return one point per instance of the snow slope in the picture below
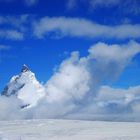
(68, 130)
(26, 87)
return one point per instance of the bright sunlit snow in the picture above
(68, 130)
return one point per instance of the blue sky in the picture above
(42, 33)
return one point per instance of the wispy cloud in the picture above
(31, 2)
(15, 21)
(19, 27)
(71, 4)
(11, 34)
(123, 6)
(14, 27)
(4, 47)
(102, 3)
(126, 6)
(77, 27)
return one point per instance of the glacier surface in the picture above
(68, 130)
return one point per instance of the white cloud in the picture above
(77, 27)
(15, 27)
(111, 104)
(10, 108)
(68, 80)
(108, 94)
(14, 21)
(76, 88)
(103, 62)
(58, 27)
(11, 34)
(112, 59)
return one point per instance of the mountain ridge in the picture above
(25, 87)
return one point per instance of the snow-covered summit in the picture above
(26, 87)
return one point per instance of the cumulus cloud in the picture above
(76, 89)
(77, 27)
(104, 61)
(118, 104)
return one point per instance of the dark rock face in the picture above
(17, 85)
(24, 68)
(5, 91)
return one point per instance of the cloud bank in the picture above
(78, 27)
(76, 89)
(28, 26)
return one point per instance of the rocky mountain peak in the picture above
(25, 87)
(25, 68)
